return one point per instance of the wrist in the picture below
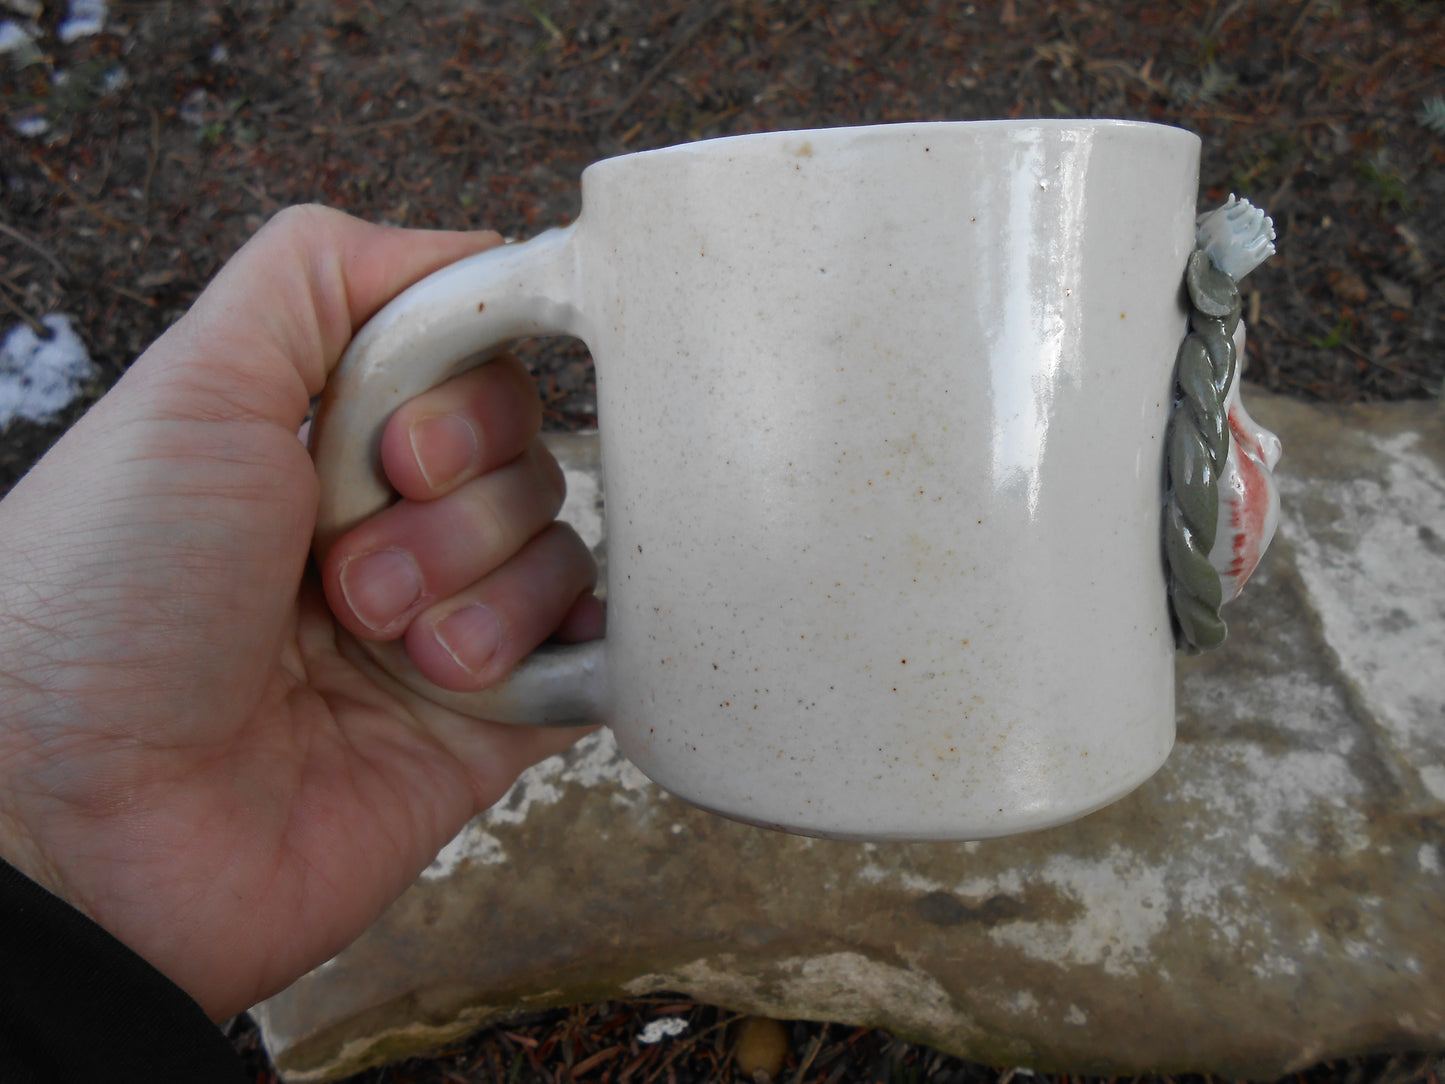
(19, 848)
(21, 843)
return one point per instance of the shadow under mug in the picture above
(882, 416)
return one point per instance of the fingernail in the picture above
(471, 636)
(444, 446)
(382, 586)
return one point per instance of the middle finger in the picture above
(396, 564)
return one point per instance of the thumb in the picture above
(262, 337)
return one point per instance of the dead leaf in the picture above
(1395, 293)
(1349, 287)
(1414, 254)
(153, 279)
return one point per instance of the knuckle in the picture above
(575, 554)
(491, 527)
(550, 474)
(301, 220)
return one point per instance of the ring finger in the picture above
(474, 638)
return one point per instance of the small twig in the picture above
(99, 186)
(683, 41)
(139, 299)
(35, 247)
(812, 1053)
(1218, 114)
(590, 58)
(547, 24)
(7, 279)
(392, 122)
(154, 157)
(75, 197)
(425, 111)
(1289, 39)
(635, 1064)
(1224, 17)
(35, 325)
(1276, 199)
(592, 1061)
(812, 15)
(908, 33)
(1390, 55)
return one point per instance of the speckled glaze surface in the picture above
(882, 418)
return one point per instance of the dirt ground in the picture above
(173, 134)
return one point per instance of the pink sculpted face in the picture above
(1248, 497)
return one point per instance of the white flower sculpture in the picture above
(1238, 236)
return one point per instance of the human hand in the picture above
(193, 750)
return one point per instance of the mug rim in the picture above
(840, 131)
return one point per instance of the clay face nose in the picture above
(1270, 448)
(1266, 445)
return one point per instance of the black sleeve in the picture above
(76, 1005)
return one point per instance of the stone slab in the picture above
(1275, 896)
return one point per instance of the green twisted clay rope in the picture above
(1197, 447)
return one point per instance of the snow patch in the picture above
(1433, 776)
(1272, 965)
(473, 845)
(873, 873)
(1280, 794)
(83, 18)
(30, 127)
(667, 1027)
(915, 883)
(14, 36)
(41, 377)
(1430, 859)
(1022, 1003)
(593, 762)
(1261, 855)
(1123, 906)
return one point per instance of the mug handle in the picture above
(450, 321)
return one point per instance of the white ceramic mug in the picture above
(882, 413)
